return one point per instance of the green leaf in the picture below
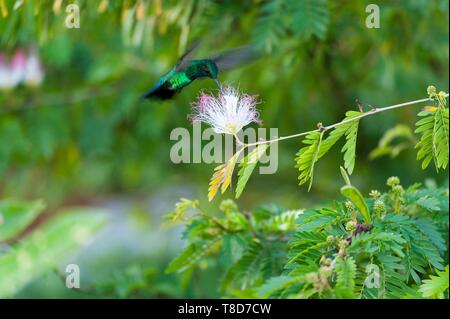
(308, 156)
(440, 138)
(345, 282)
(434, 141)
(339, 131)
(430, 230)
(247, 166)
(268, 27)
(309, 18)
(436, 285)
(16, 216)
(248, 267)
(349, 148)
(306, 247)
(193, 254)
(355, 196)
(314, 220)
(428, 202)
(274, 284)
(386, 144)
(180, 209)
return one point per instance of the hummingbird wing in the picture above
(163, 89)
(233, 58)
(183, 61)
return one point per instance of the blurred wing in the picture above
(184, 59)
(233, 58)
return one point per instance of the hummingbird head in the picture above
(212, 69)
(205, 68)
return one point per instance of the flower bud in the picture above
(350, 226)
(349, 205)
(374, 194)
(398, 189)
(431, 90)
(392, 181)
(379, 206)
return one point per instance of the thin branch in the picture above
(329, 127)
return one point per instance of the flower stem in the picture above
(329, 127)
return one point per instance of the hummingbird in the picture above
(188, 70)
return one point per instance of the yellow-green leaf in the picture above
(354, 195)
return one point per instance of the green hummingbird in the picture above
(188, 70)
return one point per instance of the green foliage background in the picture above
(83, 138)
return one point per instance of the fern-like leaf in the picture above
(306, 247)
(310, 18)
(393, 280)
(349, 128)
(436, 286)
(425, 144)
(275, 284)
(192, 254)
(222, 177)
(440, 138)
(248, 267)
(349, 148)
(269, 27)
(434, 141)
(346, 273)
(247, 166)
(318, 147)
(338, 132)
(308, 156)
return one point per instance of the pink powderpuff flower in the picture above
(34, 74)
(22, 69)
(227, 113)
(18, 65)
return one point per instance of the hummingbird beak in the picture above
(218, 84)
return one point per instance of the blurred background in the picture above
(74, 136)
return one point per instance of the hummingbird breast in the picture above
(196, 69)
(179, 80)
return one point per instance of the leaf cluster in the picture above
(386, 246)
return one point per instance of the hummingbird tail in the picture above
(160, 93)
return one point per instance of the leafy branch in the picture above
(433, 128)
(385, 251)
(433, 144)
